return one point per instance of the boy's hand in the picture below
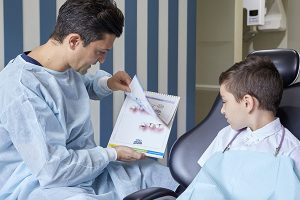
(128, 154)
(119, 81)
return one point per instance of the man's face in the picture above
(84, 57)
(234, 112)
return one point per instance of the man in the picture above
(47, 148)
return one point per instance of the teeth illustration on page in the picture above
(137, 94)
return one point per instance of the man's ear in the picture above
(249, 102)
(73, 40)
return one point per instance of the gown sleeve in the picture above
(40, 139)
(96, 84)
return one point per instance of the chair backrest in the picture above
(286, 62)
(189, 147)
(289, 109)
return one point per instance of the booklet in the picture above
(145, 121)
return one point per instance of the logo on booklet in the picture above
(137, 141)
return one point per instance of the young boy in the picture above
(254, 157)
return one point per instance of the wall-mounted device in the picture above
(275, 19)
(255, 12)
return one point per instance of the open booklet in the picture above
(145, 120)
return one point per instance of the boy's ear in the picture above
(249, 102)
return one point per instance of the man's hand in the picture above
(128, 154)
(119, 81)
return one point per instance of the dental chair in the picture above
(187, 149)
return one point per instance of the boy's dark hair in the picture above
(258, 77)
(91, 19)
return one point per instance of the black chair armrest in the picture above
(150, 194)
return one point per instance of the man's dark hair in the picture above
(91, 19)
(256, 76)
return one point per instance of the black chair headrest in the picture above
(286, 62)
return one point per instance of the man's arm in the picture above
(96, 84)
(40, 139)
(102, 83)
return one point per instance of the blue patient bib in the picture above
(244, 175)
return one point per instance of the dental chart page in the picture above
(145, 121)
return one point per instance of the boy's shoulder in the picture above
(226, 133)
(290, 140)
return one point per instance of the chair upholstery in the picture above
(286, 62)
(183, 161)
(189, 147)
(289, 109)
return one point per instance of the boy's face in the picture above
(85, 56)
(234, 112)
